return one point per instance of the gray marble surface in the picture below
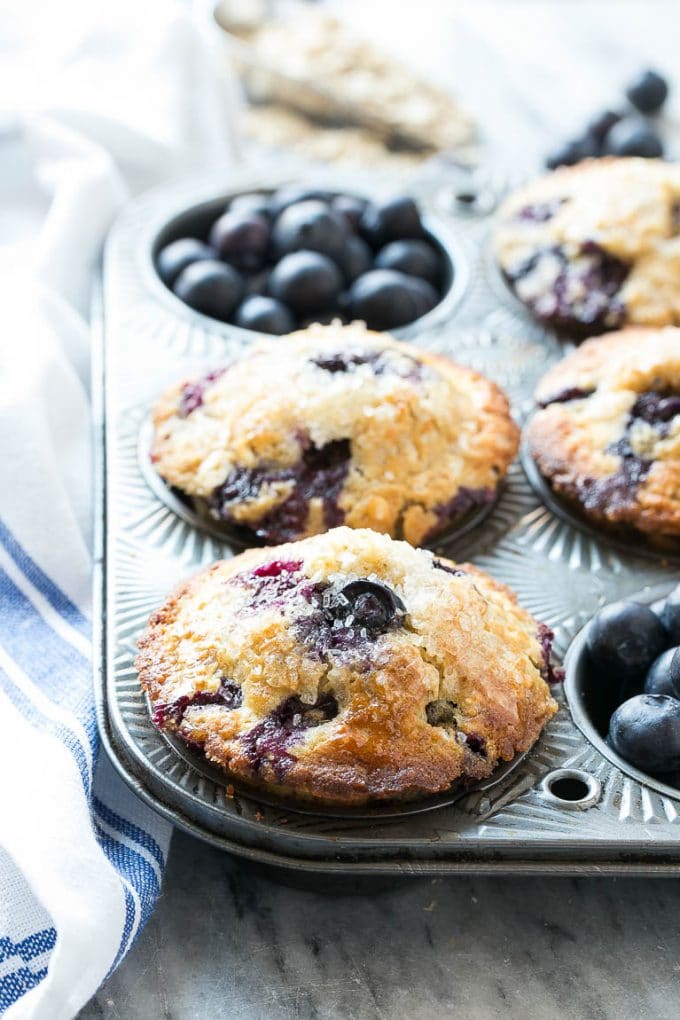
(226, 942)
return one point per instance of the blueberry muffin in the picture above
(336, 425)
(348, 667)
(607, 434)
(596, 246)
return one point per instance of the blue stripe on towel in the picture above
(42, 582)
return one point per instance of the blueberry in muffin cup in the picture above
(336, 425)
(348, 668)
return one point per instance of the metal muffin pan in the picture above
(561, 574)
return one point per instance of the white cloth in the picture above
(101, 100)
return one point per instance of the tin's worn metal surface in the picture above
(561, 574)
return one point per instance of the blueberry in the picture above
(670, 616)
(675, 670)
(284, 197)
(355, 258)
(258, 283)
(178, 255)
(241, 238)
(363, 605)
(633, 136)
(210, 287)
(385, 298)
(391, 221)
(264, 314)
(600, 126)
(573, 152)
(415, 258)
(625, 638)
(351, 208)
(253, 202)
(306, 281)
(648, 92)
(310, 226)
(659, 679)
(645, 730)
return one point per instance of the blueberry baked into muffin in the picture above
(348, 667)
(336, 425)
(607, 432)
(596, 246)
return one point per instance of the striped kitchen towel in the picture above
(111, 98)
(81, 858)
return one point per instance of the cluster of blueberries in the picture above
(635, 650)
(276, 262)
(620, 132)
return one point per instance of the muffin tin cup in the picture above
(563, 808)
(196, 511)
(632, 544)
(578, 689)
(195, 220)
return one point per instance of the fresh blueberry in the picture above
(351, 208)
(600, 126)
(310, 226)
(659, 679)
(573, 152)
(648, 92)
(284, 197)
(264, 314)
(385, 298)
(645, 730)
(633, 136)
(255, 203)
(390, 221)
(258, 283)
(363, 605)
(241, 238)
(675, 670)
(355, 259)
(624, 639)
(670, 616)
(415, 258)
(306, 281)
(210, 287)
(177, 255)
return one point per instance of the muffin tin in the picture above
(566, 807)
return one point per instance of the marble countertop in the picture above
(227, 941)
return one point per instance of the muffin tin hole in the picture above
(591, 703)
(573, 789)
(196, 514)
(195, 222)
